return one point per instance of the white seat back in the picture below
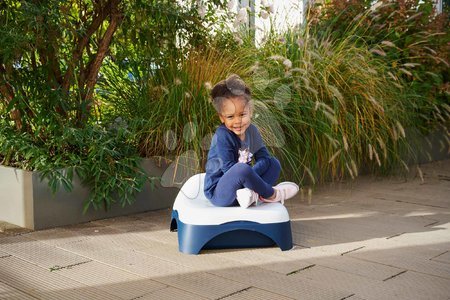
(192, 189)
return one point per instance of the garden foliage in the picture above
(51, 58)
(90, 88)
(408, 36)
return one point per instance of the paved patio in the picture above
(367, 239)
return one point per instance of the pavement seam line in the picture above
(427, 205)
(414, 203)
(139, 274)
(141, 296)
(234, 293)
(5, 256)
(307, 247)
(438, 255)
(57, 268)
(299, 270)
(27, 235)
(431, 224)
(104, 263)
(398, 234)
(346, 297)
(395, 275)
(397, 267)
(353, 250)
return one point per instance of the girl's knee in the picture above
(242, 169)
(275, 163)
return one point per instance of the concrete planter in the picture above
(27, 201)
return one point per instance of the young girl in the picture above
(229, 175)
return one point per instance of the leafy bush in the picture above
(51, 57)
(172, 106)
(331, 99)
(105, 160)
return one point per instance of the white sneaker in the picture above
(246, 197)
(284, 191)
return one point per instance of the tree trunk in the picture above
(81, 44)
(87, 76)
(7, 92)
(94, 66)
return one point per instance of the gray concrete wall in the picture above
(16, 197)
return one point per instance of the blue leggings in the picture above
(240, 176)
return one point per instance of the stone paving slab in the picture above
(39, 253)
(275, 261)
(124, 240)
(360, 228)
(368, 202)
(443, 257)
(93, 230)
(255, 293)
(43, 284)
(411, 198)
(112, 280)
(4, 254)
(324, 251)
(205, 284)
(338, 280)
(330, 211)
(139, 263)
(404, 285)
(354, 297)
(319, 232)
(115, 221)
(56, 236)
(10, 293)
(171, 293)
(287, 286)
(158, 219)
(414, 285)
(208, 260)
(137, 226)
(408, 258)
(87, 247)
(358, 267)
(366, 239)
(163, 236)
(433, 242)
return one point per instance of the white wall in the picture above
(286, 14)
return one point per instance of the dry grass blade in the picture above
(334, 156)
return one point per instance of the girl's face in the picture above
(236, 115)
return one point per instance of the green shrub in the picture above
(337, 107)
(412, 40)
(51, 57)
(106, 161)
(172, 106)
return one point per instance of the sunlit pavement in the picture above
(373, 238)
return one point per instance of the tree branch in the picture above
(82, 42)
(7, 91)
(95, 64)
